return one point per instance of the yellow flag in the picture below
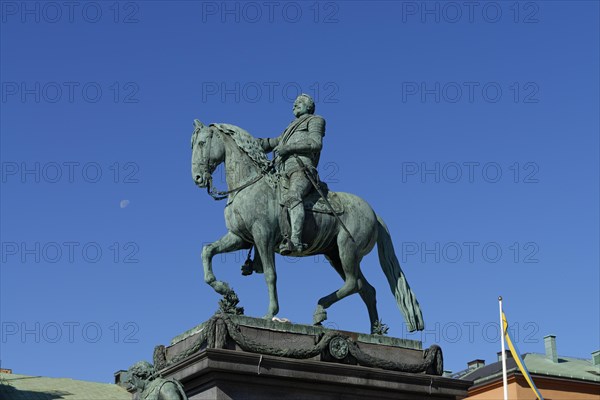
(518, 359)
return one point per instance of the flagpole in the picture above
(504, 380)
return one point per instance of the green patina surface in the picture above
(566, 367)
(539, 364)
(24, 387)
(273, 193)
(305, 330)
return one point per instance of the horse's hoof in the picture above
(221, 287)
(319, 316)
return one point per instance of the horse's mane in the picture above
(247, 143)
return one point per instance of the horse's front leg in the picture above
(266, 249)
(229, 242)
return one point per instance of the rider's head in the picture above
(304, 104)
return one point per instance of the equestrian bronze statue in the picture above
(280, 206)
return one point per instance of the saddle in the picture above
(315, 203)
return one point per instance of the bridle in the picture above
(210, 189)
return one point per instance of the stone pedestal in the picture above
(236, 357)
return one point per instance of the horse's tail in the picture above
(406, 299)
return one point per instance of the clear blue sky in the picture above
(473, 130)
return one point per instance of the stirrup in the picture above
(299, 247)
(248, 267)
(286, 248)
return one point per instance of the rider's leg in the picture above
(297, 222)
(293, 200)
(284, 224)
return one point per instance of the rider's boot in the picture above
(285, 247)
(297, 222)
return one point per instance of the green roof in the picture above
(566, 367)
(24, 387)
(539, 364)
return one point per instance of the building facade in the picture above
(556, 377)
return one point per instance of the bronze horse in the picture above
(252, 219)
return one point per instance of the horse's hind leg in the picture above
(350, 261)
(229, 242)
(368, 294)
(365, 289)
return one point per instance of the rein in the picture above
(220, 195)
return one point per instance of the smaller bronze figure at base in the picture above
(142, 376)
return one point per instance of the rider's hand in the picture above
(283, 150)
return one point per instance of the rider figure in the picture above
(297, 148)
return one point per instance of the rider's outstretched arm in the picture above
(268, 144)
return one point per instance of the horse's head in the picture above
(208, 152)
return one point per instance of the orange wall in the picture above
(494, 391)
(551, 389)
